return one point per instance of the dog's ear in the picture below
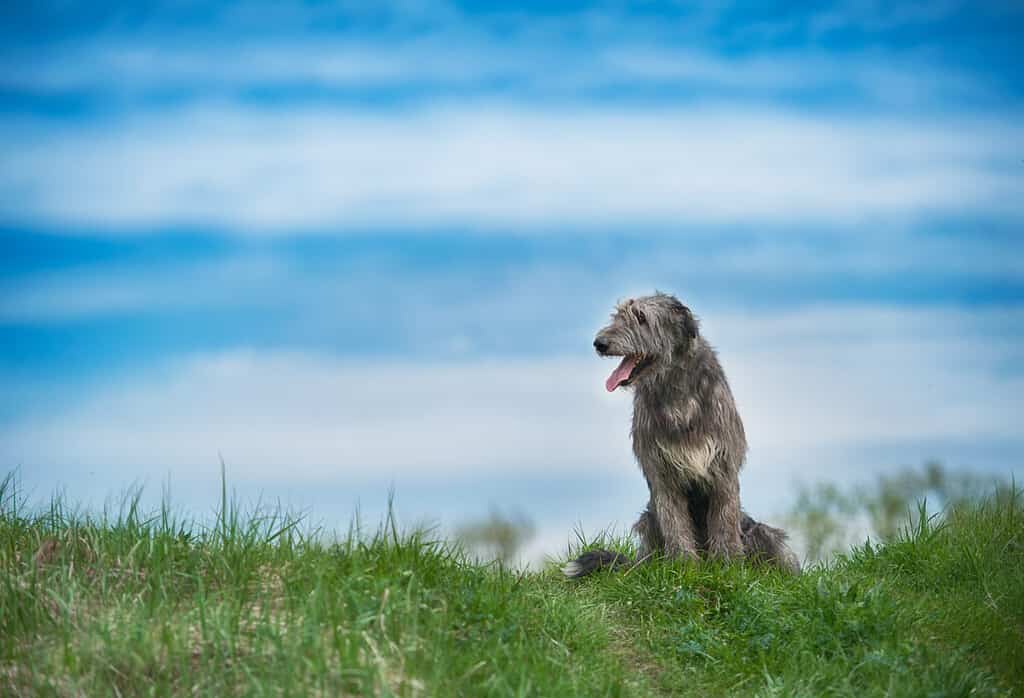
(691, 327)
(681, 314)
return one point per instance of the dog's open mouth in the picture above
(626, 371)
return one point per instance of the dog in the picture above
(688, 439)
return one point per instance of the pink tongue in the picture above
(621, 374)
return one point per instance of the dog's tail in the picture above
(593, 560)
(767, 544)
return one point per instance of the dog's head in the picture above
(648, 333)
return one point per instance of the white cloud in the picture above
(814, 387)
(321, 419)
(271, 171)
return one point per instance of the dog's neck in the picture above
(673, 379)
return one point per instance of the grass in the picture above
(130, 604)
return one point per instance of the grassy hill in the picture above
(139, 605)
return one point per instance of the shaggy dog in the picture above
(688, 439)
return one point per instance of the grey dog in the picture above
(688, 439)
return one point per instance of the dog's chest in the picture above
(666, 446)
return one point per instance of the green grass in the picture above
(133, 605)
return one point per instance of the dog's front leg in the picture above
(676, 522)
(723, 524)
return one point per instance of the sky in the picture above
(358, 248)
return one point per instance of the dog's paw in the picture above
(724, 550)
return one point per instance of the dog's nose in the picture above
(600, 345)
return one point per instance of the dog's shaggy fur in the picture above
(687, 437)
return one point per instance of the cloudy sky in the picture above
(354, 246)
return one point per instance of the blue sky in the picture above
(347, 246)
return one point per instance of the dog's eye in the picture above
(640, 317)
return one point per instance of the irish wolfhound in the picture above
(687, 437)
